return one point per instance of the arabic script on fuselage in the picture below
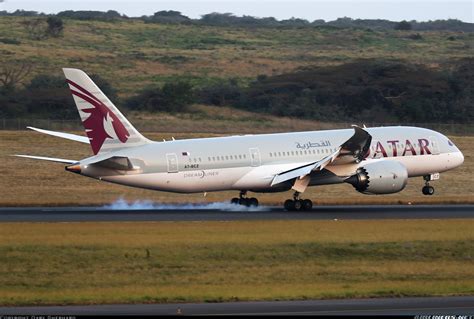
(309, 145)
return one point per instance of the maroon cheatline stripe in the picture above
(80, 88)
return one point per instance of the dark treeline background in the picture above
(370, 90)
(364, 90)
(228, 19)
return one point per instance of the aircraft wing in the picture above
(303, 170)
(68, 136)
(353, 150)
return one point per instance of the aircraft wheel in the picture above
(289, 205)
(427, 190)
(243, 202)
(307, 204)
(298, 204)
(431, 190)
(234, 201)
(252, 202)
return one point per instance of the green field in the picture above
(131, 54)
(89, 263)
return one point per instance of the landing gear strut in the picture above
(427, 189)
(297, 204)
(244, 201)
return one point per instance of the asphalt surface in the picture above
(386, 306)
(227, 212)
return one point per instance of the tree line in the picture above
(364, 90)
(229, 19)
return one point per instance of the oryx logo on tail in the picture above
(101, 122)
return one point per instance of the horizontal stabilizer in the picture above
(51, 159)
(68, 136)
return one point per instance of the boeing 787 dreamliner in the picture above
(375, 160)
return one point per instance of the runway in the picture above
(385, 306)
(231, 213)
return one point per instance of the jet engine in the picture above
(382, 177)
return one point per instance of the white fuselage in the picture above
(250, 162)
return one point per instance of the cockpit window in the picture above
(450, 143)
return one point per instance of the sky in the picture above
(395, 10)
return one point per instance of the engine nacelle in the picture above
(382, 177)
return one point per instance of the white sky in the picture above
(396, 10)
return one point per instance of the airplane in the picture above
(376, 160)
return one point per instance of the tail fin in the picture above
(106, 128)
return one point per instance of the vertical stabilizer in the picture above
(106, 128)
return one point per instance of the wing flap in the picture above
(68, 136)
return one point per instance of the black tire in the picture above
(307, 205)
(234, 201)
(298, 204)
(244, 202)
(253, 202)
(430, 190)
(426, 190)
(289, 205)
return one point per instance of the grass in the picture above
(85, 263)
(132, 54)
(36, 183)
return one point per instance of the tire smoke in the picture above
(122, 204)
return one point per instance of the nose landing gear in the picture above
(427, 189)
(244, 201)
(297, 204)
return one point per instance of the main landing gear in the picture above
(297, 204)
(427, 189)
(244, 201)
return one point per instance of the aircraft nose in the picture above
(460, 157)
(457, 159)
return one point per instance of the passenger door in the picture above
(172, 161)
(254, 157)
(434, 145)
